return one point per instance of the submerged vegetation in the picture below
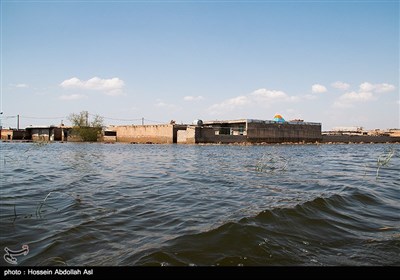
(383, 160)
(40, 205)
(271, 162)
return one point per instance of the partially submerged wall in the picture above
(359, 139)
(228, 139)
(158, 134)
(283, 132)
(40, 134)
(196, 134)
(257, 132)
(6, 134)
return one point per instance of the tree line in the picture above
(86, 126)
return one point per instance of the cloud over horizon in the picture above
(367, 92)
(73, 97)
(260, 97)
(112, 87)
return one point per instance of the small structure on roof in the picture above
(279, 118)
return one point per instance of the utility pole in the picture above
(142, 121)
(17, 122)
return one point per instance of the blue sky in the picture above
(334, 62)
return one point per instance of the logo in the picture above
(9, 256)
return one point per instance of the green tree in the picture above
(82, 126)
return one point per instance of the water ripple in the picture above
(96, 204)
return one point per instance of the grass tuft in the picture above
(384, 160)
(270, 163)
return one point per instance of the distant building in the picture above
(268, 131)
(354, 129)
(13, 134)
(6, 134)
(231, 131)
(48, 133)
(394, 132)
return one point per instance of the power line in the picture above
(127, 120)
(42, 118)
(143, 120)
(153, 121)
(115, 119)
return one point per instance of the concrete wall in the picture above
(283, 132)
(204, 134)
(47, 133)
(109, 139)
(21, 134)
(38, 134)
(57, 134)
(178, 128)
(258, 131)
(196, 134)
(158, 134)
(269, 132)
(227, 139)
(181, 137)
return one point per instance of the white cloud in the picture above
(366, 87)
(238, 101)
(21, 86)
(230, 104)
(269, 94)
(357, 96)
(310, 97)
(386, 88)
(193, 98)
(379, 88)
(111, 86)
(161, 104)
(367, 92)
(260, 97)
(265, 95)
(115, 92)
(348, 99)
(317, 88)
(72, 83)
(340, 85)
(73, 97)
(339, 104)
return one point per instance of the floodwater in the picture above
(122, 204)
